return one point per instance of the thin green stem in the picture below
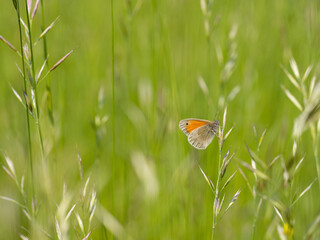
(45, 56)
(27, 107)
(113, 93)
(217, 191)
(255, 217)
(316, 156)
(48, 82)
(113, 111)
(34, 87)
(212, 236)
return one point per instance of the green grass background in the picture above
(162, 48)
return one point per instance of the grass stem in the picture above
(113, 112)
(48, 82)
(113, 87)
(316, 156)
(217, 191)
(34, 85)
(255, 217)
(27, 107)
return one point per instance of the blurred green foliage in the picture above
(160, 51)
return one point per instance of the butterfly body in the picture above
(200, 132)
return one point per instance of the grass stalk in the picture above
(113, 111)
(316, 156)
(48, 82)
(27, 107)
(113, 87)
(255, 217)
(217, 193)
(34, 84)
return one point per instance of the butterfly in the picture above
(200, 132)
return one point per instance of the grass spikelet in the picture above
(60, 61)
(11, 171)
(70, 212)
(35, 9)
(17, 95)
(228, 181)
(84, 192)
(41, 70)
(234, 92)
(255, 157)
(208, 180)
(227, 134)
(234, 198)
(261, 139)
(12, 200)
(304, 191)
(255, 171)
(58, 230)
(292, 98)
(306, 73)
(225, 163)
(87, 237)
(48, 28)
(292, 79)
(80, 165)
(8, 43)
(274, 161)
(98, 153)
(278, 213)
(80, 223)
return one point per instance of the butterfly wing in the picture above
(191, 124)
(201, 137)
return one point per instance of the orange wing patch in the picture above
(191, 125)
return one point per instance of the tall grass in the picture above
(17, 4)
(147, 65)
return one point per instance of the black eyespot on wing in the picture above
(187, 123)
